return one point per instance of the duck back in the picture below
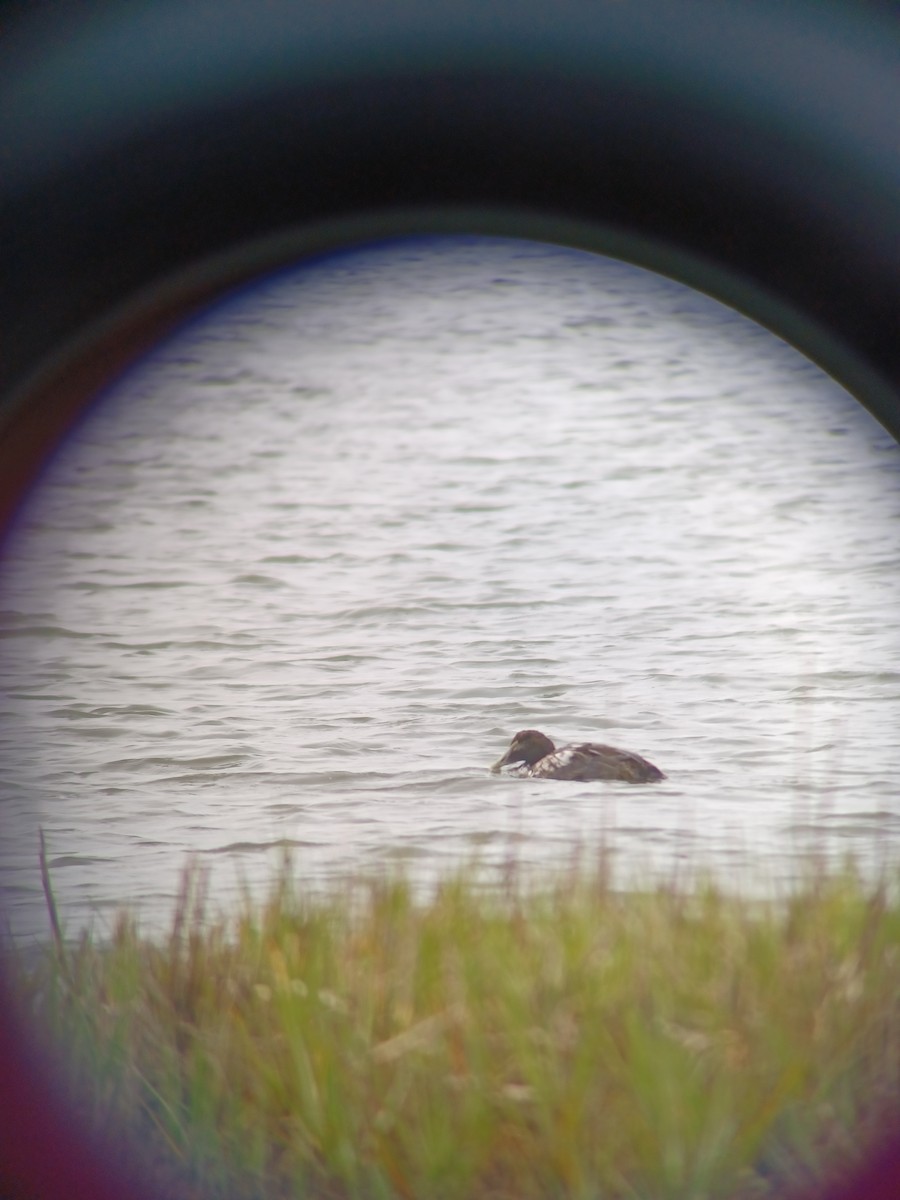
(592, 761)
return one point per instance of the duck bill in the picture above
(507, 758)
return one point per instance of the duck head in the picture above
(528, 746)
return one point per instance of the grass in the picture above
(552, 1039)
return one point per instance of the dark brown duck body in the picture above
(532, 753)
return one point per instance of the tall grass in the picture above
(546, 1039)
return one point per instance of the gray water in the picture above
(299, 579)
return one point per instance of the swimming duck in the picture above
(534, 754)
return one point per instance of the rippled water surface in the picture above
(307, 570)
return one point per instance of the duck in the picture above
(532, 753)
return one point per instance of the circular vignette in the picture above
(154, 156)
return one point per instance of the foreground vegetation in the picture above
(538, 1040)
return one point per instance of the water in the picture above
(301, 577)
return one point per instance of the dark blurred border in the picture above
(155, 154)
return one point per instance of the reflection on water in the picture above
(301, 578)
